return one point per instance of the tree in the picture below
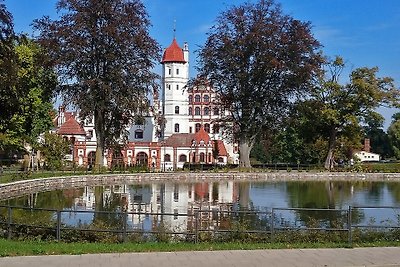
(104, 55)
(341, 108)
(257, 59)
(7, 72)
(394, 134)
(26, 88)
(380, 142)
(53, 149)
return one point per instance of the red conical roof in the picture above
(71, 126)
(173, 53)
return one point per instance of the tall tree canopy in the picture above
(104, 55)
(26, 88)
(7, 66)
(340, 108)
(257, 59)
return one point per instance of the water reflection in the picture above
(145, 204)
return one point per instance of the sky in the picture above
(366, 33)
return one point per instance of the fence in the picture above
(274, 225)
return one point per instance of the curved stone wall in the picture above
(25, 187)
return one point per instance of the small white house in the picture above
(367, 156)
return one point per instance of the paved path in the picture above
(382, 257)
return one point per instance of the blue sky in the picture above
(363, 32)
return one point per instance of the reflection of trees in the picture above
(106, 206)
(319, 195)
(394, 189)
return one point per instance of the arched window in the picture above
(190, 99)
(177, 127)
(177, 87)
(202, 157)
(197, 111)
(190, 111)
(198, 126)
(139, 134)
(176, 109)
(206, 98)
(215, 128)
(216, 111)
(220, 159)
(197, 98)
(206, 111)
(167, 157)
(209, 157)
(207, 127)
(91, 158)
(142, 159)
(182, 158)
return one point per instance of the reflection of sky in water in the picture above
(263, 196)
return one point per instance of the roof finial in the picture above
(174, 27)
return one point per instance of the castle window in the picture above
(177, 127)
(202, 157)
(168, 86)
(177, 71)
(207, 127)
(190, 111)
(197, 111)
(206, 111)
(215, 128)
(167, 158)
(197, 98)
(176, 109)
(182, 158)
(169, 71)
(216, 111)
(139, 134)
(198, 126)
(190, 99)
(177, 87)
(190, 129)
(206, 98)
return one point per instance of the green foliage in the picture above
(30, 93)
(53, 149)
(394, 136)
(105, 56)
(246, 59)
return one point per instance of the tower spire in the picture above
(174, 28)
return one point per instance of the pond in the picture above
(145, 203)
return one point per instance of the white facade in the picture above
(367, 156)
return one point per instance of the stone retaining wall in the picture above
(26, 187)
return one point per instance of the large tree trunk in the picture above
(100, 137)
(244, 150)
(329, 161)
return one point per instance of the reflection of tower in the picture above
(176, 202)
(175, 75)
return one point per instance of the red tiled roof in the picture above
(221, 149)
(173, 53)
(71, 126)
(180, 140)
(202, 135)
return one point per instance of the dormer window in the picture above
(139, 134)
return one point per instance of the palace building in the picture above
(181, 127)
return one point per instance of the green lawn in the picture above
(25, 248)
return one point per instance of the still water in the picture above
(184, 198)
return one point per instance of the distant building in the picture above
(180, 128)
(365, 154)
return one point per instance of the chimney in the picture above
(367, 145)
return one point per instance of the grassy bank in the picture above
(26, 248)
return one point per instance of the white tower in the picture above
(175, 75)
